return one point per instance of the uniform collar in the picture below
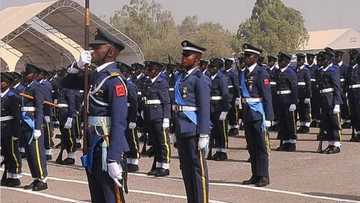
(340, 63)
(4, 93)
(327, 67)
(355, 66)
(204, 71)
(272, 67)
(252, 67)
(139, 76)
(214, 76)
(301, 67)
(190, 71)
(284, 69)
(228, 70)
(103, 66)
(15, 86)
(156, 77)
(30, 83)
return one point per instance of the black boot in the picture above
(132, 168)
(13, 182)
(251, 181)
(68, 161)
(262, 181)
(39, 186)
(161, 172)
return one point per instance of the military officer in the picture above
(10, 132)
(330, 101)
(344, 107)
(157, 116)
(304, 93)
(192, 123)
(353, 89)
(133, 155)
(219, 107)
(67, 112)
(232, 76)
(287, 91)
(273, 71)
(32, 111)
(48, 127)
(314, 101)
(257, 114)
(106, 142)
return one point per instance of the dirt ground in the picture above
(302, 176)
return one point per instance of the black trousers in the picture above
(304, 112)
(68, 138)
(194, 169)
(287, 125)
(10, 151)
(315, 102)
(35, 154)
(233, 116)
(160, 141)
(48, 134)
(354, 105)
(219, 135)
(330, 125)
(133, 142)
(258, 148)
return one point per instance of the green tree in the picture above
(273, 27)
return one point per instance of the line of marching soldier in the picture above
(31, 104)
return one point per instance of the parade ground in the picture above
(302, 176)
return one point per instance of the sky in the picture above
(318, 14)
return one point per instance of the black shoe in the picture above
(216, 156)
(152, 172)
(31, 185)
(150, 152)
(48, 157)
(210, 157)
(222, 156)
(262, 181)
(13, 182)
(78, 145)
(325, 151)
(132, 168)
(291, 147)
(234, 132)
(314, 124)
(23, 155)
(346, 125)
(161, 172)
(282, 147)
(68, 161)
(300, 130)
(333, 150)
(306, 129)
(251, 181)
(39, 185)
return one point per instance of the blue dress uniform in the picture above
(304, 94)
(287, 91)
(67, 111)
(273, 71)
(32, 111)
(79, 98)
(10, 134)
(353, 89)
(330, 99)
(219, 106)
(315, 93)
(192, 120)
(133, 155)
(344, 107)
(232, 76)
(48, 127)
(257, 109)
(170, 77)
(157, 110)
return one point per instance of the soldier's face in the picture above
(300, 61)
(190, 59)
(271, 63)
(338, 59)
(101, 53)
(310, 60)
(250, 59)
(4, 86)
(283, 63)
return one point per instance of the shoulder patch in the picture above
(120, 90)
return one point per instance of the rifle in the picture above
(45, 102)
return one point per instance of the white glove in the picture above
(47, 119)
(85, 58)
(292, 107)
(132, 125)
(172, 138)
(68, 123)
(223, 116)
(203, 141)
(267, 124)
(36, 134)
(336, 109)
(307, 101)
(115, 172)
(166, 123)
